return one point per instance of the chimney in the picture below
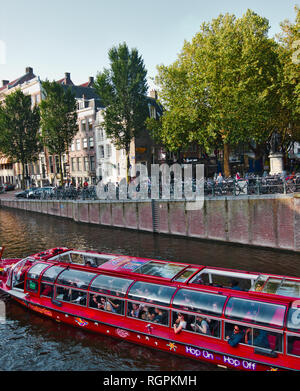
(68, 78)
(91, 80)
(29, 70)
(153, 94)
(4, 82)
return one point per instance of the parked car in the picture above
(25, 193)
(41, 192)
(9, 186)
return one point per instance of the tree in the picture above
(19, 130)
(123, 89)
(58, 119)
(220, 92)
(288, 118)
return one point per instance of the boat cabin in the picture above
(160, 294)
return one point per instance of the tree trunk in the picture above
(23, 176)
(128, 162)
(61, 170)
(227, 171)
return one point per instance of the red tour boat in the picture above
(232, 318)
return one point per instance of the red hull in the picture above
(211, 349)
(152, 341)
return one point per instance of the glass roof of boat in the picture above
(148, 267)
(277, 285)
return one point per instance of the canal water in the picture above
(31, 342)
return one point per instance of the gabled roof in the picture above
(87, 93)
(20, 80)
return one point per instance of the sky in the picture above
(58, 36)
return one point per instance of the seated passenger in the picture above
(201, 325)
(135, 310)
(158, 316)
(47, 290)
(260, 338)
(236, 337)
(235, 285)
(111, 306)
(179, 324)
(81, 299)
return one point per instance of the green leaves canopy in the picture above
(19, 128)
(58, 117)
(221, 90)
(123, 89)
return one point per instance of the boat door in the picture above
(16, 277)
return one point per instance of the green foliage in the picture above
(123, 89)
(288, 119)
(222, 88)
(58, 119)
(19, 128)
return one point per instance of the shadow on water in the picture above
(37, 343)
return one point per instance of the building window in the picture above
(101, 151)
(85, 143)
(101, 134)
(86, 163)
(92, 163)
(57, 163)
(73, 163)
(83, 125)
(91, 142)
(78, 144)
(78, 164)
(73, 146)
(90, 124)
(108, 150)
(51, 165)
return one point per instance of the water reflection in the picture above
(37, 343)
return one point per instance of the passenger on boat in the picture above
(235, 285)
(259, 287)
(47, 290)
(158, 315)
(111, 306)
(260, 338)
(179, 324)
(201, 325)
(236, 337)
(136, 308)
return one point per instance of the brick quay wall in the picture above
(268, 221)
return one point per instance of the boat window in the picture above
(77, 258)
(35, 271)
(199, 324)
(184, 276)
(148, 313)
(32, 285)
(111, 285)
(51, 273)
(71, 295)
(64, 258)
(46, 290)
(151, 293)
(160, 269)
(293, 321)
(255, 312)
(256, 337)
(186, 299)
(75, 278)
(293, 345)
(17, 273)
(230, 281)
(108, 304)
